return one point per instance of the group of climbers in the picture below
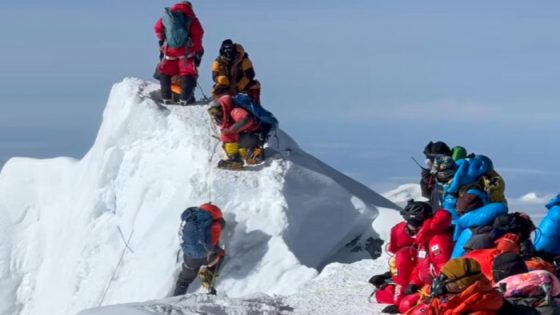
(236, 106)
(421, 245)
(459, 253)
(463, 252)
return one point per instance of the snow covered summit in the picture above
(77, 234)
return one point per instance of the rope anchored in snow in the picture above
(211, 158)
(126, 246)
(125, 242)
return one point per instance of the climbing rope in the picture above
(206, 98)
(126, 246)
(214, 134)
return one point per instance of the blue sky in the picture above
(361, 84)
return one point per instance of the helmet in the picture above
(458, 153)
(444, 168)
(434, 149)
(416, 212)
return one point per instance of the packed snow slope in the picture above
(66, 223)
(340, 289)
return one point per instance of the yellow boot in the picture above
(234, 161)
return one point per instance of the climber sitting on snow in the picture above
(180, 40)
(547, 238)
(200, 232)
(460, 288)
(244, 129)
(473, 213)
(476, 171)
(526, 292)
(422, 245)
(233, 73)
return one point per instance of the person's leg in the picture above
(188, 83)
(167, 69)
(165, 81)
(189, 272)
(209, 273)
(234, 160)
(189, 75)
(255, 95)
(254, 92)
(251, 148)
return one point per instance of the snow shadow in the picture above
(253, 245)
(337, 223)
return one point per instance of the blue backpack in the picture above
(176, 28)
(260, 113)
(196, 225)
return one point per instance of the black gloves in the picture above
(197, 60)
(391, 309)
(411, 288)
(379, 280)
(161, 42)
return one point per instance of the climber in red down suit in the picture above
(180, 56)
(421, 245)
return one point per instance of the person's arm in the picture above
(248, 68)
(241, 124)
(216, 232)
(440, 247)
(222, 83)
(159, 29)
(196, 33)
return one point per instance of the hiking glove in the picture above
(198, 57)
(391, 309)
(379, 280)
(197, 60)
(411, 289)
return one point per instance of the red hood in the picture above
(437, 224)
(185, 8)
(226, 102)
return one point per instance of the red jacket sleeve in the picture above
(196, 32)
(216, 232)
(415, 276)
(159, 29)
(392, 248)
(440, 248)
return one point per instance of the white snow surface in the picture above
(65, 223)
(340, 289)
(404, 193)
